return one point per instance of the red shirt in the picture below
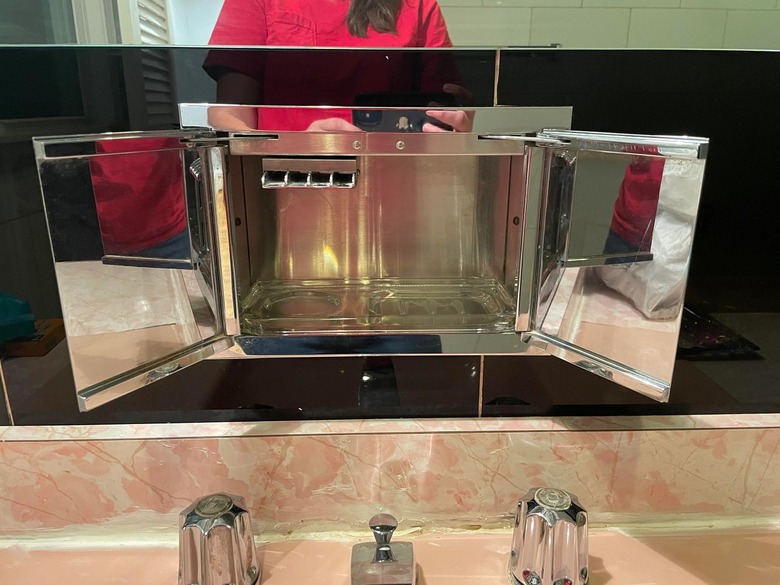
(139, 196)
(637, 202)
(322, 23)
(301, 77)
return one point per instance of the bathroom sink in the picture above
(711, 557)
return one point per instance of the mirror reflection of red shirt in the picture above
(637, 202)
(138, 193)
(326, 77)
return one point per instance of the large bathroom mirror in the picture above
(725, 357)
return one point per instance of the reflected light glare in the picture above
(143, 306)
(329, 258)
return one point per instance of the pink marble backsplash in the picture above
(436, 479)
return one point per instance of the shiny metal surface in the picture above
(420, 243)
(130, 317)
(206, 117)
(222, 265)
(383, 526)
(84, 145)
(317, 173)
(677, 146)
(549, 540)
(616, 311)
(575, 244)
(324, 144)
(216, 544)
(110, 389)
(392, 305)
(383, 562)
(637, 379)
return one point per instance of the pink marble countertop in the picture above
(711, 557)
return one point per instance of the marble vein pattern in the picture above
(100, 298)
(442, 479)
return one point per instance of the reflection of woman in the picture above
(654, 213)
(327, 78)
(139, 198)
(635, 208)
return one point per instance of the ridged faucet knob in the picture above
(216, 543)
(550, 540)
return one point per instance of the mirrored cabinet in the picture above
(517, 239)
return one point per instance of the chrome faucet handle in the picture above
(383, 526)
(550, 540)
(383, 562)
(216, 544)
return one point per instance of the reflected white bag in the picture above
(657, 288)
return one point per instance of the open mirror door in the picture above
(133, 221)
(614, 243)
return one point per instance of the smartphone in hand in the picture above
(406, 114)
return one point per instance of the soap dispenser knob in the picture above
(216, 543)
(383, 526)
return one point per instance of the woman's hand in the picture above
(235, 88)
(332, 125)
(458, 120)
(233, 118)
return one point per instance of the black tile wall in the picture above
(730, 98)
(272, 389)
(4, 418)
(545, 385)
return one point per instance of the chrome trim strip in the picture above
(650, 386)
(667, 146)
(223, 241)
(113, 388)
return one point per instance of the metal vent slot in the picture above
(344, 180)
(298, 179)
(309, 172)
(273, 179)
(318, 179)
